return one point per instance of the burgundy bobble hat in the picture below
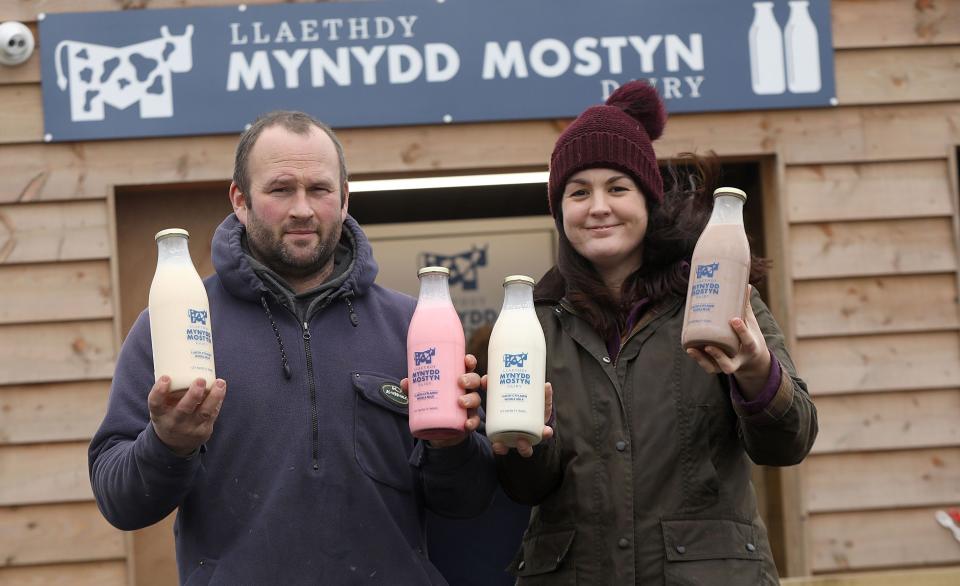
(617, 135)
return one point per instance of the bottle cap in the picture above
(426, 270)
(171, 232)
(730, 191)
(518, 279)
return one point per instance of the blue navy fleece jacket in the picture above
(311, 479)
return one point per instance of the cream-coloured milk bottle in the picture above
(719, 271)
(180, 327)
(516, 368)
(435, 354)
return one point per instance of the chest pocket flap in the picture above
(709, 539)
(381, 431)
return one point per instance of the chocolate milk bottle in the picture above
(719, 271)
(180, 327)
(435, 354)
(517, 359)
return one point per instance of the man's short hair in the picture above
(296, 122)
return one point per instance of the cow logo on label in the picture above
(463, 266)
(707, 271)
(425, 357)
(197, 316)
(100, 76)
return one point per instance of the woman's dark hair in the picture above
(673, 228)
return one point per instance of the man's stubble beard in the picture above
(277, 254)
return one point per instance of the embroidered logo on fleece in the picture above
(393, 393)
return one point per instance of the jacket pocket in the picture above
(712, 551)
(545, 555)
(382, 439)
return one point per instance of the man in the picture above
(305, 472)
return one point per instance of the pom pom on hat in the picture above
(641, 101)
(616, 135)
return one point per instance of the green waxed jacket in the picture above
(647, 480)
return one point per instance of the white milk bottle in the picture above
(180, 327)
(516, 368)
(719, 271)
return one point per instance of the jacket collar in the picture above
(241, 280)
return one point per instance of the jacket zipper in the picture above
(313, 398)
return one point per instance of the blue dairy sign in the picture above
(380, 63)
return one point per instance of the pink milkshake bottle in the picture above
(435, 353)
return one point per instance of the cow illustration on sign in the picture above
(463, 266)
(122, 76)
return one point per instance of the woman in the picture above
(647, 477)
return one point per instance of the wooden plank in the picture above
(876, 305)
(898, 75)
(917, 577)
(882, 247)
(52, 292)
(880, 539)
(868, 191)
(27, 10)
(838, 135)
(44, 534)
(52, 412)
(23, 120)
(44, 232)
(48, 473)
(888, 421)
(897, 362)
(70, 351)
(153, 554)
(895, 23)
(862, 481)
(84, 574)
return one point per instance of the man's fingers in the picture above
(405, 385)
(500, 448)
(210, 409)
(469, 400)
(473, 422)
(156, 399)
(470, 362)
(483, 382)
(469, 381)
(547, 433)
(193, 398)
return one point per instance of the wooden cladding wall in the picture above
(868, 239)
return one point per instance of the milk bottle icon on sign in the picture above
(803, 50)
(771, 74)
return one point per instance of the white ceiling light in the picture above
(448, 182)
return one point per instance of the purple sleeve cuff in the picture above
(765, 397)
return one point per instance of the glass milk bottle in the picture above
(766, 51)
(180, 327)
(719, 272)
(435, 354)
(516, 368)
(803, 50)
